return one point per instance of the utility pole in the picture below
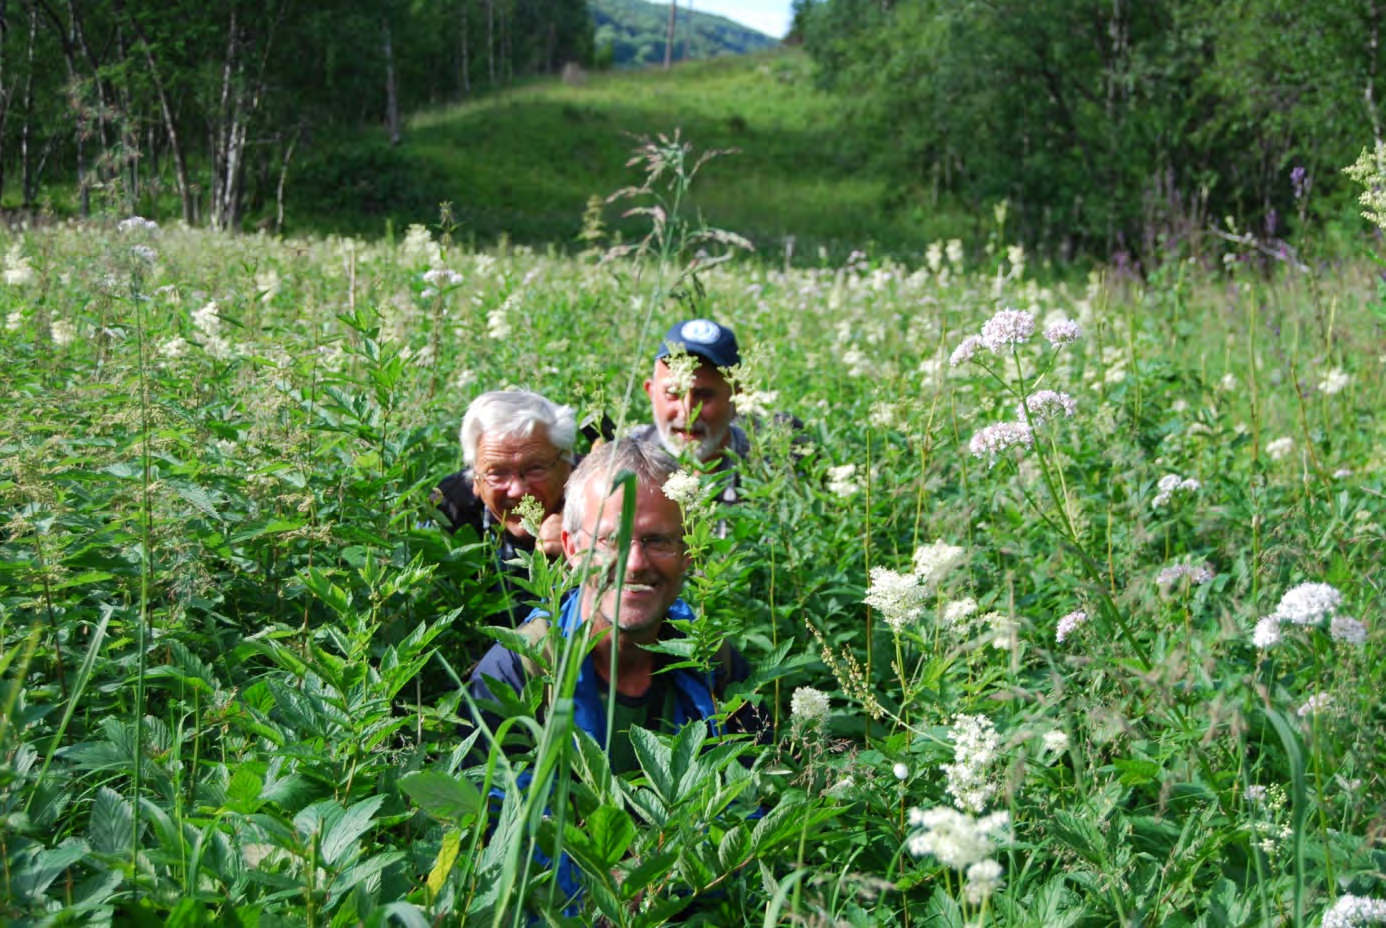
(669, 39)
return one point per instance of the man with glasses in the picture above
(515, 444)
(622, 617)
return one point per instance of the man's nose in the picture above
(638, 559)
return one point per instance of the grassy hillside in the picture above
(525, 163)
(634, 33)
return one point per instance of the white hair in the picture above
(516, 414)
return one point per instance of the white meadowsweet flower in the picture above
(1279, 448)
(957, 839)
(18, 270)
(901, 771)
(933, 257)
(684, 488)
(1055, 741)
(954, 251)
(207, 320)
(14, 321)
(841, 482)
(62, 332)
(419, 244)
(1002, 630)
(933, 561)
(983, 879)
(268, 285)
(1172, 485)
(442, 277)
(808, 708)
(144, 253)
(899, 598)
(498, 324)
(1335, 381)
(175, 347)
(756, 402)
(1315, 704)
(884, 415)
(956, 614)
(975, 744)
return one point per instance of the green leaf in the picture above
(341, 838)
(654, 757)
(611, 830)
(112, 822)
(454, 800)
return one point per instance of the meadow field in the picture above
(1064, 601)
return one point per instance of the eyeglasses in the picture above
(529, 474)
(656, 547)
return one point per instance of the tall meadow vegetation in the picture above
(1063, 603)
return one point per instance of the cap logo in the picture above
(700, 331)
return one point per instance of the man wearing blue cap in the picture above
(691, 397)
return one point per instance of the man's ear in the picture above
(570, 548)
(649, 389)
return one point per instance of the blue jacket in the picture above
(693, 699)
(693, 689)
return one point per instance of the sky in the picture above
(768, 16)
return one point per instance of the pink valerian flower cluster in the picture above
(1011, 327)
(993, 440)
(1064, 332)
(1068, 624)
(965, 351)
(1007, 328)
(1042, 405)
(1309, 604)
(1177, 574)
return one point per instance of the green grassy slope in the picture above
(524, 163)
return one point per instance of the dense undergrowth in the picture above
(1059, 672)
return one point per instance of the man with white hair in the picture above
(515, 444)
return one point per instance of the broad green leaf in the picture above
(341, 838)
(449, 799)
(112, 822)
(654, 757)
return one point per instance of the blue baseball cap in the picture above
(706, 339)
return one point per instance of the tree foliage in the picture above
(212, 100)
(1106, 125)
(631, 33)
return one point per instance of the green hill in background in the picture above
(524, 163)
(633, 33)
